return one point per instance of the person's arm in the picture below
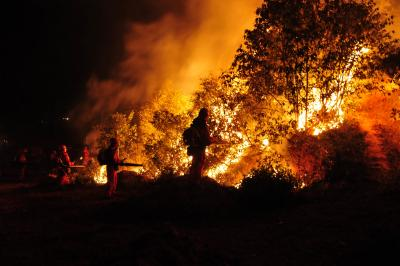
(117, 161)
(68, 160)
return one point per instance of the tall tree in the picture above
(312, 50)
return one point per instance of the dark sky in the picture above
(50, 48)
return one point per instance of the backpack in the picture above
(102, 157)
(190, 136)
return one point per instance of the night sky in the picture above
(50, 48)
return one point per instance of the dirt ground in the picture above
(188, 223)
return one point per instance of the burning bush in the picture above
(311, 54)
(164, 149)
(334, 155)
(374, 113)
(246, 127)
(120, 125)
(346, 158)
(307, 156)
(390, 143)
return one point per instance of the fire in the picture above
(265, 143)
(160, 147)
(234, 140)
(156, 141)
(101, 176)
(332, 105)
(161, 131)
(234, 156)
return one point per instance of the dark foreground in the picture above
(180, 222)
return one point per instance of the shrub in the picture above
(389, 138)
(268, 186)
(336, 155)
(347, 158)
(307, 155)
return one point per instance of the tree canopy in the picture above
(312, 50)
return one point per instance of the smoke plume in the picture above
(392, 7)
(175, 51)
(178, 49)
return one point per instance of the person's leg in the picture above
(198, 162)
(110, 181)
(202, 160)
(115, 182)
(194, 168)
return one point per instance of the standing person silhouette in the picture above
(202, 139)
(112, 162)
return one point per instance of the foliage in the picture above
(164, 148)
(347, 158)
(268, 185)
(390, 144)
(297, 46)
(223, 107)
(307, 156)
(338, 154)
(374, 115)
(299, 54)
(121, 126)
(161, 123)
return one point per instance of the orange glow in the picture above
(332, 105)
(101, 176)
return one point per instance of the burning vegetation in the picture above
(307, 93)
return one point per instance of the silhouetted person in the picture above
(64, 162)
(202, 139)
(112, 162)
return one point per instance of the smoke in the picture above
(176, 51)
(392, 7)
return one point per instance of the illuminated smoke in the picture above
(392, 7)
(175, 51)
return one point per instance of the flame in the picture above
(265, 143)
(332, 105)
(226, 112)
(234, 156)
(224, 119)
(101, 176)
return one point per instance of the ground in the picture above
(183, 222)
